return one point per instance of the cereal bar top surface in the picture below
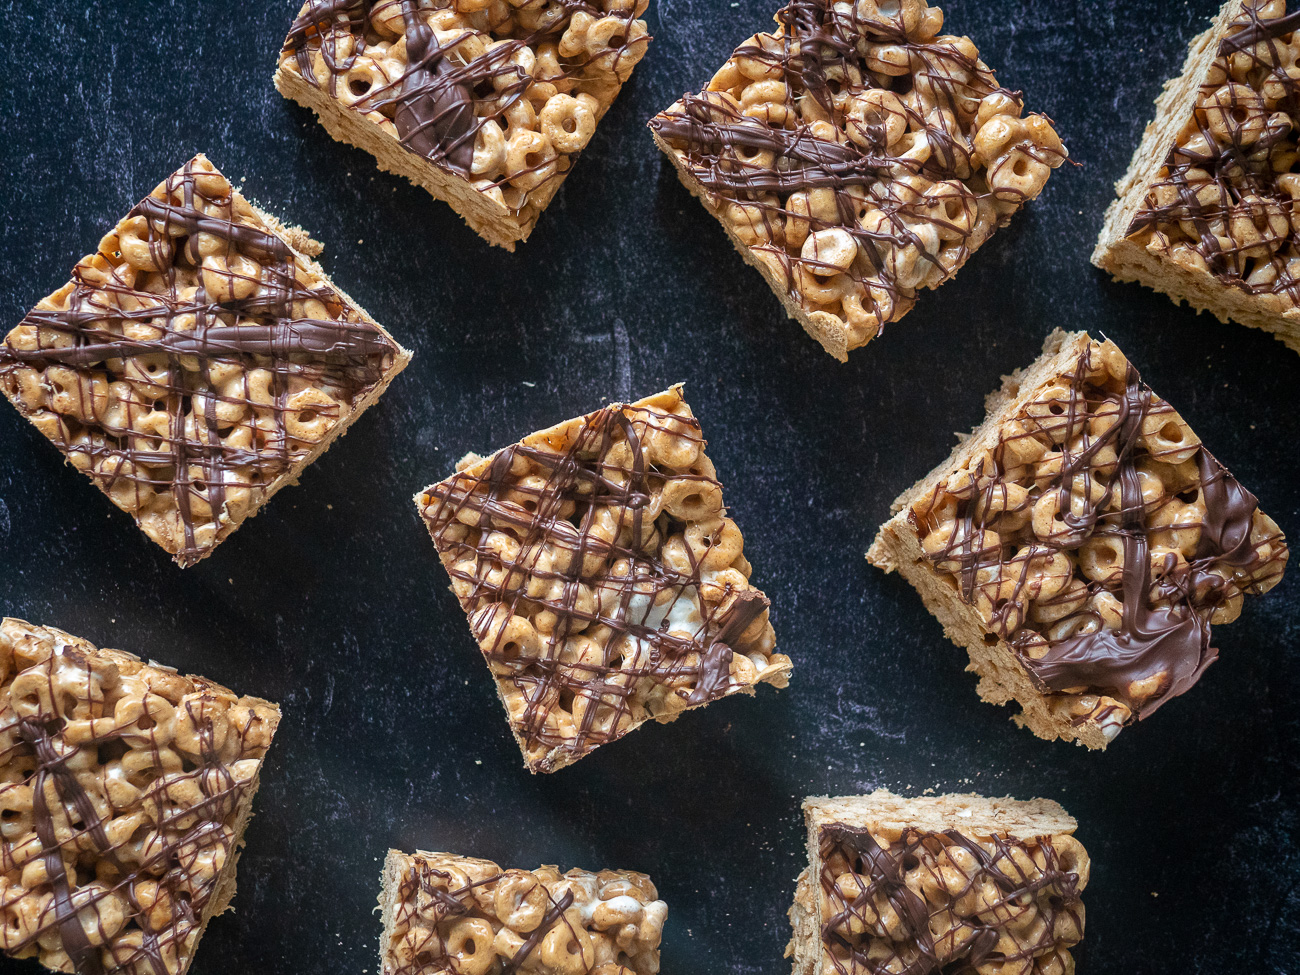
(193, 361)
(122, 791)
(464, 916)
(1100, 539)
(602, 577)
(1224, 202)
(504, 94)
(860, 154)
(914, 900)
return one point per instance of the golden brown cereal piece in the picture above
(197, 363)
(452, 915)
(855, 156)
(940, 883)
(485, 104)
(602, 577)
(124, 792)
(1080, 544)
(1207, 210)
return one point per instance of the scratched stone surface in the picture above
(332, 600)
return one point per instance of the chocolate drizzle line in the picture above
(434, 114)
(554, 912)
(821, 53)
(440, 102)
(1224, 201)
(886, 926)
(1161, 645)
(433, 879)
(579, 526)
(83, 866)
(159, 337)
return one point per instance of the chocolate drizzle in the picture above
(437, 97)
(554, 913)
(882, 113)
(719, 134)
(330, 341)
(1170, 539)
(435, 111)
(197, 313)
(597, 603)
(1255, 29)
(130, 826)
(51, 767)
(1225, 200)
(1229, 516)
(907, 908)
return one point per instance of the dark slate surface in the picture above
(333, 602)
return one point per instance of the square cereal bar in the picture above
(603, 580)
(485, 104)
(1080, 544)
(197, 363)
(452, 915)
(1207, 211)
(955, 883)
(855, 156)
(124, 792)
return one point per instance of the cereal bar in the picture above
(124, 792)
(1207, 211)
(955, 883)
(484, 103)
(855, 156)
(603, 580)
(197, 362)
(1081, 543)
(452, 915)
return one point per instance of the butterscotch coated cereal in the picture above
(197, 362)
(1207, 211)
(603, 579)
(857, 155)
(956, 883)
(1081, 544)
(485, 103)
(454, 915)
(124, 791)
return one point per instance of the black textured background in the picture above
(333, 602)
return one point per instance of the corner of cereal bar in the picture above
(897, 884)
(485, 106)
(856, 156)
(1206, 212)
(126, 791)
(602, 577)
(1080, 544)
(197, 363)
